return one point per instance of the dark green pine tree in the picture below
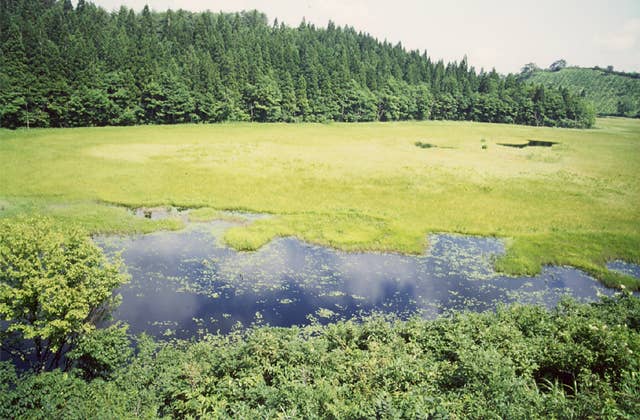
(61, 67)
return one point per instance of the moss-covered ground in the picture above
(350, 186)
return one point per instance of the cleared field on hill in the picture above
(604, 89)
(351, 186)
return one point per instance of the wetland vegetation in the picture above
(576, 360)
(401, 267)
(570, 204)
(353, 187)
(187, 283)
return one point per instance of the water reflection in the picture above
(625, 268)
(187, 282)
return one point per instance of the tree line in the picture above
(66, 66)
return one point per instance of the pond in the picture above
(187, 282)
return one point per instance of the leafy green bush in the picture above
(575, 361)
(54, 286)
(100, 352)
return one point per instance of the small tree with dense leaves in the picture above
(55, 285)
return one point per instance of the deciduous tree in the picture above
(55, 285)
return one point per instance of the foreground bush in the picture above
(55, 285)
(576, 361)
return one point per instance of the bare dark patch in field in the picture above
(530, 143)
(424, 145)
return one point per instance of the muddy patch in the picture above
(530, 143)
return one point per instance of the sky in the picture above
(505, 34)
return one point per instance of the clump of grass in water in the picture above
(204, 214)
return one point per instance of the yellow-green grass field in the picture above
(350, 186)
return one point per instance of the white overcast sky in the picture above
(504, 34)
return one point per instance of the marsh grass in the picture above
(204, 214)
(350, 186)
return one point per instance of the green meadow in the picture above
(350, 186)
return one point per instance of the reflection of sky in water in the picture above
(187, 281)
(625, 268)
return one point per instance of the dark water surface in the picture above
(625, 268)
(187, 282)
(530, 143)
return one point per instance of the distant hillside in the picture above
(613, 93)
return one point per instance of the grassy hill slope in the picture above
(606, 89)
